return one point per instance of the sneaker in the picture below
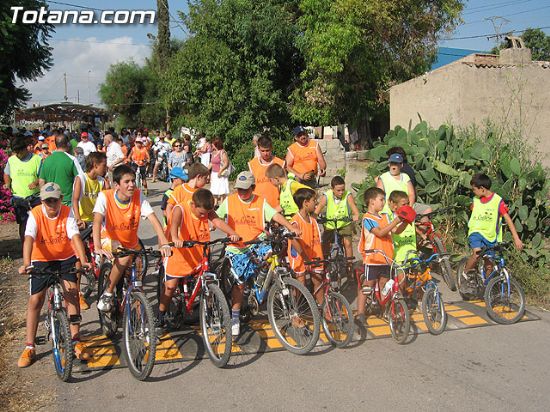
(236, 329)
(105, 303)
(27, 358)
(83, 304)
(81, 353)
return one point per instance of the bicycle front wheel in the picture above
(294, 316)
(445, 264)
(337, 319)
(62, 346)
(433, 310)
(215, 320)
(505, 300)
(140, 340)
(399, 318)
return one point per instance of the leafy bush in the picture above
(6, 208)
(445, 161)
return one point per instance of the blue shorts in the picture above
(477, 241)
(242, 267)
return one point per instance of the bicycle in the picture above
(390, 301)
(436, 245)
(336, 314)
(131, 309)
(504, 297)
(291, 309)
(57, 323)
(215, 316)
(88, 282)
(419, 281)
(339, 262)
(162, 173)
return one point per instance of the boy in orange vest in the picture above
(140, 157)
(119, 210)
(376, 231)
(258, 167)
(51, 239)
(308, 246)
(189, 222)
(246, 213)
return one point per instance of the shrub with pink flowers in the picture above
(6, 209)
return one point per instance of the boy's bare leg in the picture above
(237, 294)
(70, 294)
(317, 280)
(33, 314)
(119, 266)
(472, 260)
(170, 287)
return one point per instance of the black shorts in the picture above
(374, 272)
(40, 282)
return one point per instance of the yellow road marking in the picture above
(380, 330)
(450, 308)
(273, 343)
(461, 313)
(374, 321)
(168, 349)
(103, 357)
(473, 320)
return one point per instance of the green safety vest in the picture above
(485, 219)
(287, 201)
(22, 174)
(391, 185)
(404, 243)
(337, 211)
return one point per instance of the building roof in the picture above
(60, 112)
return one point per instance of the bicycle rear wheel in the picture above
(62, 346)
(399, 318)
(215, 320)
(293, 315)
(433, 311)
(107, 320)
(140, 340)
(337, 319)
(445, 264)
(505, 301)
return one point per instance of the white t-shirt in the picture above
(162, 148)
(88, 147)
(101, 205)
(32, 228)
(114, 153)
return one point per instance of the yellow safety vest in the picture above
(485, 219)
(337, 211)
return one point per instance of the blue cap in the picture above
(178, 173)
(298, 130)
(395, 158)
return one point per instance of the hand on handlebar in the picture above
(166, 250)
(105, 253)
(296, 230)
(234, 238)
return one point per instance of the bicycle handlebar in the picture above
(271, 238)
(499, 247)
(122, 252)
(191, 243)
(436, 212)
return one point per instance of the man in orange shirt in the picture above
(258, 167)
(51, 239)
(305, 158)
(120, 210)
(140, 158)
(246, 213)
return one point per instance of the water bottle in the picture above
(262, 274)
(387, 287)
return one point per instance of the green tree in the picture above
(236, 70)
(26, 54)
(355, 50)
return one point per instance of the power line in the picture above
(491, 35)
(487, 7)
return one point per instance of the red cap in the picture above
(84, 134)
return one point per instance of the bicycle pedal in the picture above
(40, 340)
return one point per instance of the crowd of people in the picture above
(57, 197)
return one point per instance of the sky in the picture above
(85, 52)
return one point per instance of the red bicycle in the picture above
(389, 301)
(214, 314)
(434, 244)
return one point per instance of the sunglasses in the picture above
(177, 145)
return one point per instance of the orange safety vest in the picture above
(181, 195)
(310, 241)
(246, 218)
(263, 186)
(51, 242)
(122, 224)
(139, 156)
(370, 241)
(305, 157)
(186, 261)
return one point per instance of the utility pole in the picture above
(89, 95)
(78, 96)
(498, 22)
(65, 79)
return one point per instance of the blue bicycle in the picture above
(420, 284)
(503, 295)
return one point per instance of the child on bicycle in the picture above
(339, 204)
(177, 178)
(485, 224)
(404, 235)
(246, 213)
(51, 240)
(287, 187)
(308, 246)
(189, 222)
(140, 158)
(119, 210)
(376, 231)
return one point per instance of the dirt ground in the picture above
(20, 389)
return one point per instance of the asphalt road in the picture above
(501, 368)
